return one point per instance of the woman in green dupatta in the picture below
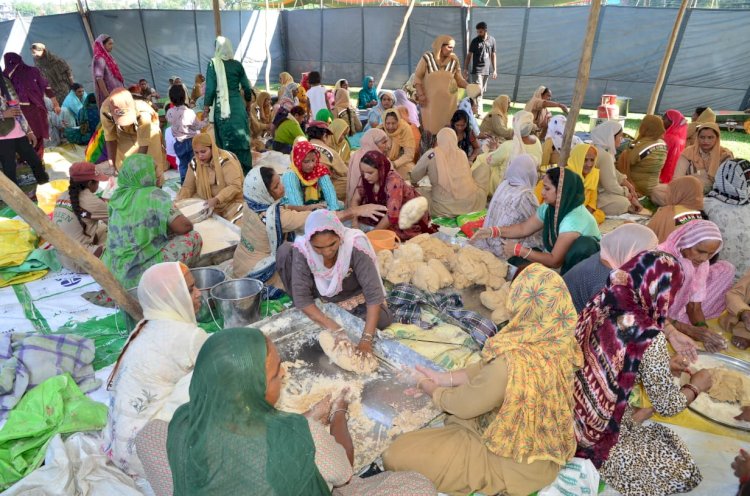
(570, 233)
(142, 218)
(231, 439)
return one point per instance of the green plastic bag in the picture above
(56, 406)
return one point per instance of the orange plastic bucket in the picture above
(383, 239)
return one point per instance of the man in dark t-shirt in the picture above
(483, 58)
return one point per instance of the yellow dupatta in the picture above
(591, 181)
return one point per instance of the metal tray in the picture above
(383, 395)
(732, 364)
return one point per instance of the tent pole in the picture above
(217, 17)
(395, 45)
(667, 57)
(86, 25)
(45, 228)
(582, 80)
(268, 51)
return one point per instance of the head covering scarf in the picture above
(367, 94)
(163, 295)
(368, 143)
(603, 136)
(569, 196)
(535, 422)
(692, 152)
(341, 101)
(25, 80)
(264, 115)
(305, 81)
(338, 86)
(614, 331)
(705, 117)
(228, 439)
(401, 138)
(285, 78)
(687, 236)
(138, 219)
(452, 164)
(340, 129)
(437, 46)
(329, 281)
(287, 99)
(260, 201)
(324, 115)
(203, 184)
(224, 51)
(101, 53)
(383, 165)
(625, 242)
(465, 105)
(376, 115)
(309, 180)
(500, 107)
(576, 162)
(687, 192)
(523, 125)
(556, 131)
(535, 99)
(402, 100)
(675, 137)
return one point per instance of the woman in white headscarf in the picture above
(513, 203)
(553, 141)
(523, 142)
(456, 189)
(617, 194)
(588, 277)
(224, 102)
(150, 378)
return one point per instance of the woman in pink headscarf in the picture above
(373, 140)
(106, 72)
(701, 297)
(675, 137)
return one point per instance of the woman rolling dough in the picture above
(337, 265)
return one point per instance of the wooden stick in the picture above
(667, 58)
(268, 50)
(395, 46)
(582, 81)
(217, 17)
(44, 227)
(85, 18)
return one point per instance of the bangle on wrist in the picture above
(495, 231)
(692, 388)
(517, 250)
(744, 480)
(367, 337)
(701, 324)
(346, 414)
(526, 257)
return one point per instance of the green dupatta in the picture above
(570, 195)
(227, 439)
(138, 221)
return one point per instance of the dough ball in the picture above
(412, 253)
(460, 281)
(412, 211)
(343, 355)
(400, 271)
(473, 90)
(497, 301)
(425, 278)
(730, 386)
(385, 259)
(480, 267)
(446, 279)
(434, 248)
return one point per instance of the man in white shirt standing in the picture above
(316, 94)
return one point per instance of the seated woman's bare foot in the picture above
(745, 415)
(740, 343)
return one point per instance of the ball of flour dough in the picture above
(412, 211)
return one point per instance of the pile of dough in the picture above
(480, 267)
(412, 211)
(730, 386)
(399, 266)
(344, 356)
(413, 253)
(385, 259)
(497, 301)
(432, 276)
(434, 248)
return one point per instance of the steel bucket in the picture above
(206, 278)
(238, 301)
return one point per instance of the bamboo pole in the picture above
(667, 58)
(582, 80)
(44, 227)
(217, 17)
(395, 46)
(86, 25)
(268, 50)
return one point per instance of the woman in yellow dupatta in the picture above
(495, 123)
(342, 109)
(214, 175)
(403, 145)
(340, 130)
(403, 112)
(510, 423)
(583, 161)
(703, 158)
